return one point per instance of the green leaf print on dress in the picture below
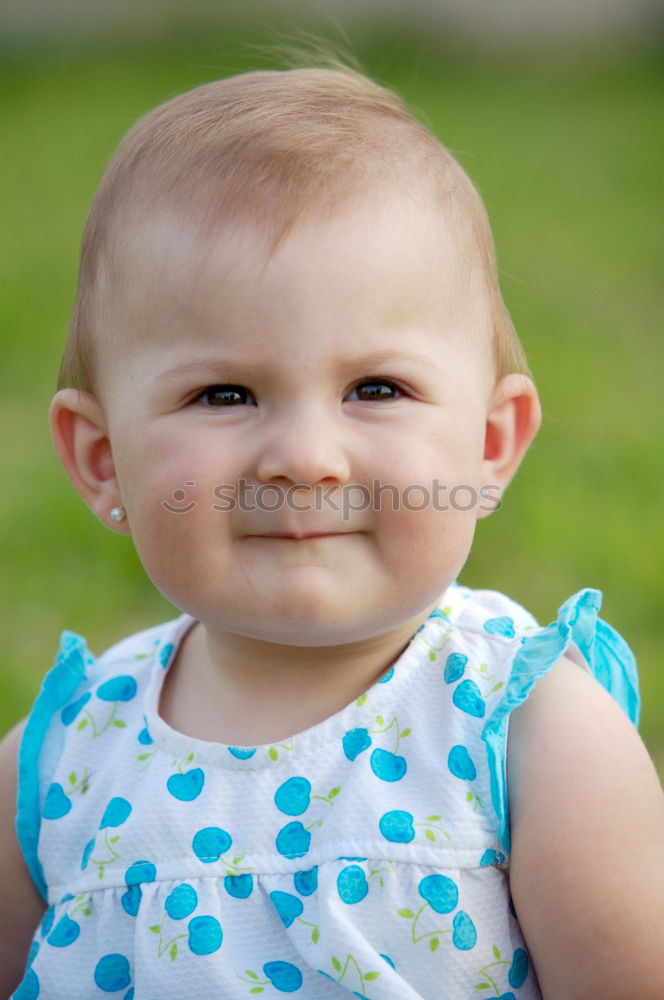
(437, 644)
(203, 934)
(351, 968)
(115, 691)
(441, 894)
(398, 826)
(209, 846)
(287, 747)
(186, 785)
(115, 814)
(294, 797)
(290, 909)
(283, 976)
(389, 765)
(517, 972)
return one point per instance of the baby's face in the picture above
(298, 438)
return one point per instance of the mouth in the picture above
(296, 536)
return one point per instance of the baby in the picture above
(292, 380)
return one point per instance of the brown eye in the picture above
(375, 390)
(226, 395)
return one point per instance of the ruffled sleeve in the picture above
(607, 656)
(34, 764)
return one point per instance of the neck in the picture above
(244, 692)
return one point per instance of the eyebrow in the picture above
(369, 362)
(379, 359)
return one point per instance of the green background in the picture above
(565, 149)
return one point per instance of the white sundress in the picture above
(367, 856)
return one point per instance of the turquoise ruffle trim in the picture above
(609, 659)
(57, 690)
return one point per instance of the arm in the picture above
(587, 873)
(21, 906)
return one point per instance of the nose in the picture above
(304, 448)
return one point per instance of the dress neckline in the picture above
(428, 639)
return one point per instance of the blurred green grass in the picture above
(566, 151)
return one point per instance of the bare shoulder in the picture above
(22, 907)
(587, 814)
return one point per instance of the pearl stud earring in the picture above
(118, 514)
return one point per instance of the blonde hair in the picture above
(271, 147)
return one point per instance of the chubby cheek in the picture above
(165, 473)
(429, 516)
(168, 497)
(178, 543)
(423, 551)
(435, 476)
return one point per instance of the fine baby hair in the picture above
(273, 148)
(338, 772)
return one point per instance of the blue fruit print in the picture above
(287, 906)
(460, 763)
(242, 753)
(57, 803)
(306, 882)
(464, 936)
(64, 933)
(355, 741)
(115, 814)
(294, 796)
(87, 851)
(397, 826)
(455, 665)
(500, 626)
(165, 653)
(387, 676)
(293, 840)
(239, 886)
(284, 977)
(181, 901)
(491, 857)
(144, 737)
(518, 973)
(188, 786)
(140, 871)
(121, 688)
(205, 935)
(69, 712)
(468, 697)
(131, 900)
(352, 884)
(388, 766)
(112, 973)
(210, 843)
(29, 988)
(440, 892)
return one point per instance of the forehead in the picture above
(379, 263)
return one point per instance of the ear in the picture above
(81, 440)
(513, 421)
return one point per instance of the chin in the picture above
(309, 623)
